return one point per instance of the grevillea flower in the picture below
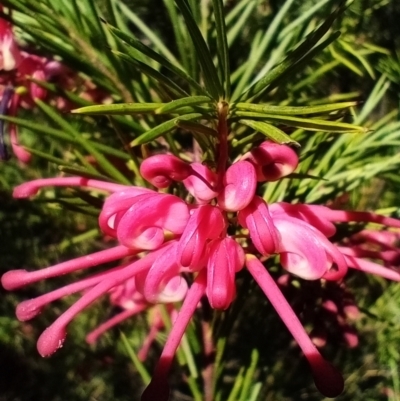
(208, 236)
(10, 56)
(20, 69)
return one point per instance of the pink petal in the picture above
(117, 204)
(257, 219)
(205, 223)
(146, 223)
(273, 161)
(201, 183)
(161, 170)
(162, 283)
(226, 258)
(301, 251)
(239, 187)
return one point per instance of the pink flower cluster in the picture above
(19, 70)
(189, 247)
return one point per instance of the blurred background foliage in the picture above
(363, 64)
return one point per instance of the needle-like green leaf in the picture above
(103, 162)
(211, 80)
(273, 133)
(163, 128)
(293, 110)
(222, 45)
(311, 124)
(61, 135)
(295, 56)
(184, 102)
(147, 51)
(119, 108)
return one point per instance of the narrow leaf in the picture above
(156, 57)
(59, 134)
(307, 123)
(118, 108)
(103, 162)
(204, 57)
(141, 369)
(162, 129)
(273, 133)
(153, 73)
(222, 45)
(293, 110)
(179, 103)
(294, 56)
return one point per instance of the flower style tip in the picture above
(161, 170)
(328, 380)
(239, 186)
(51, 340)
(27, 310)
(14, 279)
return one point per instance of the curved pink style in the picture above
(239, 187)
(158, 389)
(53, 337)
(327, 378)
(27, 310)
(161, 170)
(14, 279)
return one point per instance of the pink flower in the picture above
(239, 187)
(161, 170)
(272, 161)
(10, 56)
(226, 258)
(202, 183)
(228, 227)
